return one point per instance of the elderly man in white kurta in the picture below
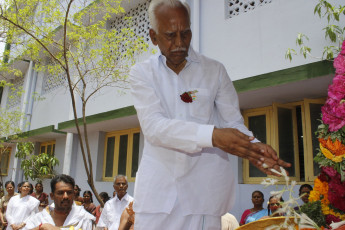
(113, 208)
(189, 114)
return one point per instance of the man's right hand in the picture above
(47, 226)
(237, 143)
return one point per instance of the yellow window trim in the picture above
(46, 144)
(271, 128)
(246, 164)
(308, 147)
(4, 150)
(117, 134)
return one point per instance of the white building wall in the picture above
(255, 42)
(110, 98)
(52, 108)
(250, 44)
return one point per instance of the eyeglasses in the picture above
(274, 204)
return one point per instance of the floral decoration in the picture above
(333, 112)
(329, 186)
(334, 151)
(326, 206)
(189, 96)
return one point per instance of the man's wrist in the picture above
(214, 138)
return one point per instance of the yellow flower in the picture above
(320, 192)
(332, 212)
(336, 147)
(330, 155)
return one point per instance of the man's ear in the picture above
(52, 196)
(153, 36)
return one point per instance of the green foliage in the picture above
(289, 52)
(322, 132)
(71, 41)
(9, 121)
(78, 45)
(35, 166)
(313, 211)
(333, 31)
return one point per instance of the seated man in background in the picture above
(65, 213)
(110, 217)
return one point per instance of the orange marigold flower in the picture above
(320, 192)
(337, 148)
(328, 154)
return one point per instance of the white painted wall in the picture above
(110, 98)
(54, 107)
(255, 42)
(250, 44)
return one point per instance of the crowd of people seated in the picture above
(18, 209)
(23, 209)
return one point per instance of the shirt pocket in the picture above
(201, 107)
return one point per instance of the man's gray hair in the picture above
(172, 3)
(120, 176)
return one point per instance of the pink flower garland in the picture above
(333, 112)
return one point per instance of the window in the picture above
(236, 7)
(290, 130)
(5, 160)
(47, 147)
(121, 154)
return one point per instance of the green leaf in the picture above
(288, 54)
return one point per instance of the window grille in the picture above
(15, 93)
(236, 7)
(52, 82)
(140, 20)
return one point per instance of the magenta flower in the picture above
(333, 114)
(336, 91)
(330, 218)
(339, 64)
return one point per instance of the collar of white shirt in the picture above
(192, 56)
(125, 197)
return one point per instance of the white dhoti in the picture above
(176, 221)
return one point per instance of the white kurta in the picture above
(179, 161)
(78, 217)
(112, 211)
(20, 209)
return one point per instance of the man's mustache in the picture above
(179, 49)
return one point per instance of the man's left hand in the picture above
(271, 160)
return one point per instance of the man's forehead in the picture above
(63, 186)
(120, 180)
(165, 12)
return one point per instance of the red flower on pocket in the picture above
(189, 96)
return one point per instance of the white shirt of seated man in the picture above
(65, 214)
(112, 211)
